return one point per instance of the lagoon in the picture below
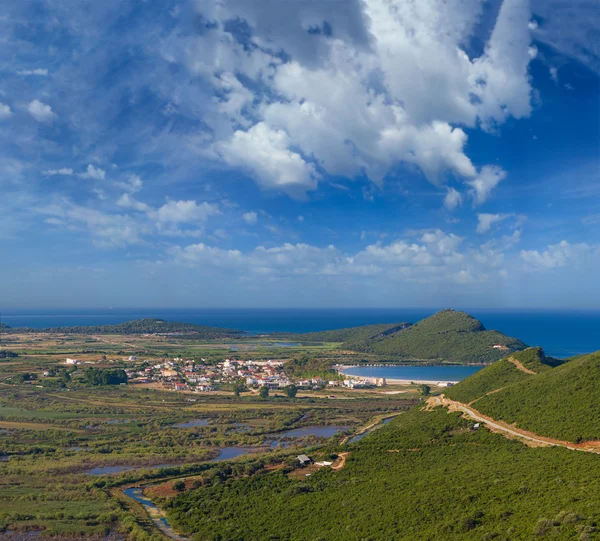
(414, 373)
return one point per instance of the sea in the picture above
(560, 333)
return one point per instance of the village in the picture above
(180, 374)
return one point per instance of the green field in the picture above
(50, 436)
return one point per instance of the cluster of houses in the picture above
(181, 374)
(190, 375)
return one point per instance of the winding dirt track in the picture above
(500, 426)
(520, 366)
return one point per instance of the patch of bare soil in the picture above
(166, 490)
(520, 366)
(340, 461)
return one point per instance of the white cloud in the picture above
(186, 211)
(554, 74)
(38, 71)
(93, 173)
(41, 111)
(436, 257)
(483, 184)
(453, 199)
(100, 194)
(201, 253)
(301, 219)
(265, 152)
(395, 89)
(128, 202)
(556, 255)
(133, 184)
(108, 230)
(485, 221)
(66, 171)
(5, 111)
(250, 218)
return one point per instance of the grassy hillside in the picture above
(500, 374)
(561, 402)
(363, 332)
(422, 476)
(445, 336)
(142, 326)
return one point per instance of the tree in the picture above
(291, 391)
(179, 486)
(238, 387)
(96, 376)
(425, 389)
(263, 392)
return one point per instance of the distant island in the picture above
(140, 326)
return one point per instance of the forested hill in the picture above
(364, 332)
(556, 400)
(144, 326)
(449, 336)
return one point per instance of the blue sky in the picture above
(267, 153)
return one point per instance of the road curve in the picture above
(474, 414)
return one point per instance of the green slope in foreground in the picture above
(500, 374)
(449, 336)
(561, 402)
(424, 476)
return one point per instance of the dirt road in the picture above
(520, 366)
(500, 426)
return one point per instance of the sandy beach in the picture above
(392, 381)
(397, 381)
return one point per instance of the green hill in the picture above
(364, 332)
(561, 402)
(144, 326)
(500, 374)
(425, 476)
(448, 335)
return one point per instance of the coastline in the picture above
(346, 372)
(395, 381)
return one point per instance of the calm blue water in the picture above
(359, 437)
(229, 453)
(414, 373)
(561, 334)
(318, 431)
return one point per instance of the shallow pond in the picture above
(110, 470)
(228, 453)
(191, 424)
(136, 494)
(318, 431)
(359, 437)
